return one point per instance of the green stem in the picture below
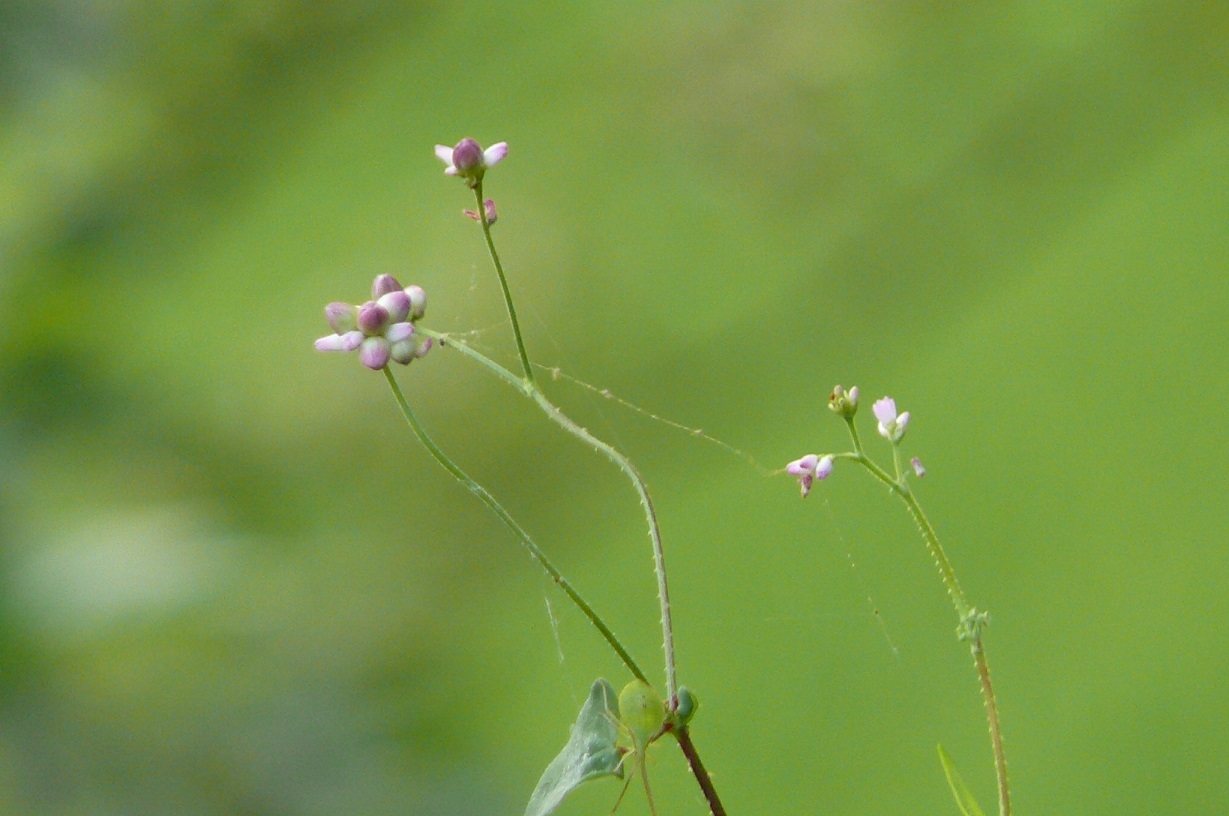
(493, 504)
(972, 621)
(996, 733)
(503, 282)
(535, 393)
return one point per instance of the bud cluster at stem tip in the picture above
(843, 403)
(381, 329)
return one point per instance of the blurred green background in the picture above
(232, 583)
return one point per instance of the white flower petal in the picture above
(885, 411)
(494, 154)
(334, 342)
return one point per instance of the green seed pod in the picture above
(688, 703)
(642, 712)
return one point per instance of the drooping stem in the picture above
(503, 283)
(528, 543)
(972, 621)
(528, 386)
(531, 390)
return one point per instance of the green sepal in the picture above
(688, 702)
(964, 798)
(591, 752)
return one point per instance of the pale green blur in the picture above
(234, 584)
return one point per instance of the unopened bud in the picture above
(843, 403)
(466, 156)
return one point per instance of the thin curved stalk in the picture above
(528, 543)
(531, 390)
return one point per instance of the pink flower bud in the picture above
(374, 353)
(418, 301)
(467, 156)
(397, 303)
(382, 285)
(372, 318)
(342, 317)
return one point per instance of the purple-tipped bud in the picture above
(917, 467)
(823, 468)
(372, 318)
(342, 317)
(418, 301)
(423, 348)
(382, 285)
(398, 305)
(374, 353)
(467, 156)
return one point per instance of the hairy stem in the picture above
(532, 391)
(528, 543)
(996, 733)
(972, 622)
(683, 734)
(535, 393)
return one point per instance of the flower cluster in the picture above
(844, 404)
(382, 329)
(808, 469)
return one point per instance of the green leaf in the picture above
(591, 752)
(964, 799)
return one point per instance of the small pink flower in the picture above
(808, 469)
(469, 161)
(891, 426)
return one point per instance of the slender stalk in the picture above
(996, 733)
(529, 387)
(503, 282)
(493, 504)
(972, 622)
(535, 393)
(683, 734)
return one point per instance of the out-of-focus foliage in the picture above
(233, 585)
